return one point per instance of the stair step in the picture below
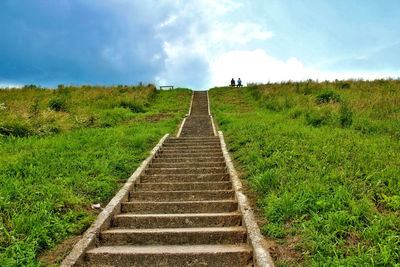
(187, 150)
(184, 178)
(193, 139)
(183, 186)
(215, 143)
(174, 236)
(194, 170)
(184, 220)
(181, 195)
(188, 155)
(188, 160)
(188, 165)
(151, 207)
(172, 255)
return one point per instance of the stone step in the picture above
(194, 170)
(188, 155)
(183, 186)
(171, 255)
(193, 139)
(181, 195)
(140, 221)
(187, 150)
(151, 207)
(188, 165)
(174, 236)
(185, 178)
(191, 148)
(189, 160)
(192, 144)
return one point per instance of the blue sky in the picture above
(196, 44)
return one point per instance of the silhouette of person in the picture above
(239, 82)
(233, 82)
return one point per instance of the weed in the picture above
(34, 108)
(319, 117)
(3, 106)
(327, 96)
(58, 104)
(134, 107)
(265, 181)
(295, 113)
(15, 128)
(346, 115)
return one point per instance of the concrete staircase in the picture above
(183, 211)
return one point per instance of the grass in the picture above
(38, 111)
(48, 181)
(323, 159)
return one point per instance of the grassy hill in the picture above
(323, 160)
(61, 150)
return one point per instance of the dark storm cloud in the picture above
(77, 41)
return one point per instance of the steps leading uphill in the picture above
(183, 211)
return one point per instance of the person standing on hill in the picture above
(239, 83)
(233, 82)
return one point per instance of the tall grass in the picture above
(38, 109)
(327, 172)
(48, 180)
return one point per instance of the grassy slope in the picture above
(37, 111)
(47, 182)
(327, 174)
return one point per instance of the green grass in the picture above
(324, 160)
(47, 182)
(38, 111)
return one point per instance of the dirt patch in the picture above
(55, 255)
(287, 253)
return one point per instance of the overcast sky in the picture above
(196, 44)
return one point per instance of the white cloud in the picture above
(237, 33)
(10, 85)
(205, 30)
(258, 67)
(167, 22)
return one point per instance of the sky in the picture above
(196, 43)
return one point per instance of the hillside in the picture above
(62, 150)
(322, 160)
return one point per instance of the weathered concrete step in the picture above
(174, 236)
(187, 150)
(189, 160)
(167, 256)
(184, 178)
(200, 121)
(198, 126)
(181, 195)
(188, 165)
(192, 139)
(140, 221)
(183, 186)
(151, 207)
(193, 144)
(190, 148)
(194, 170)
(188, 155)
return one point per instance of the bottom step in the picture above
(199, 255)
